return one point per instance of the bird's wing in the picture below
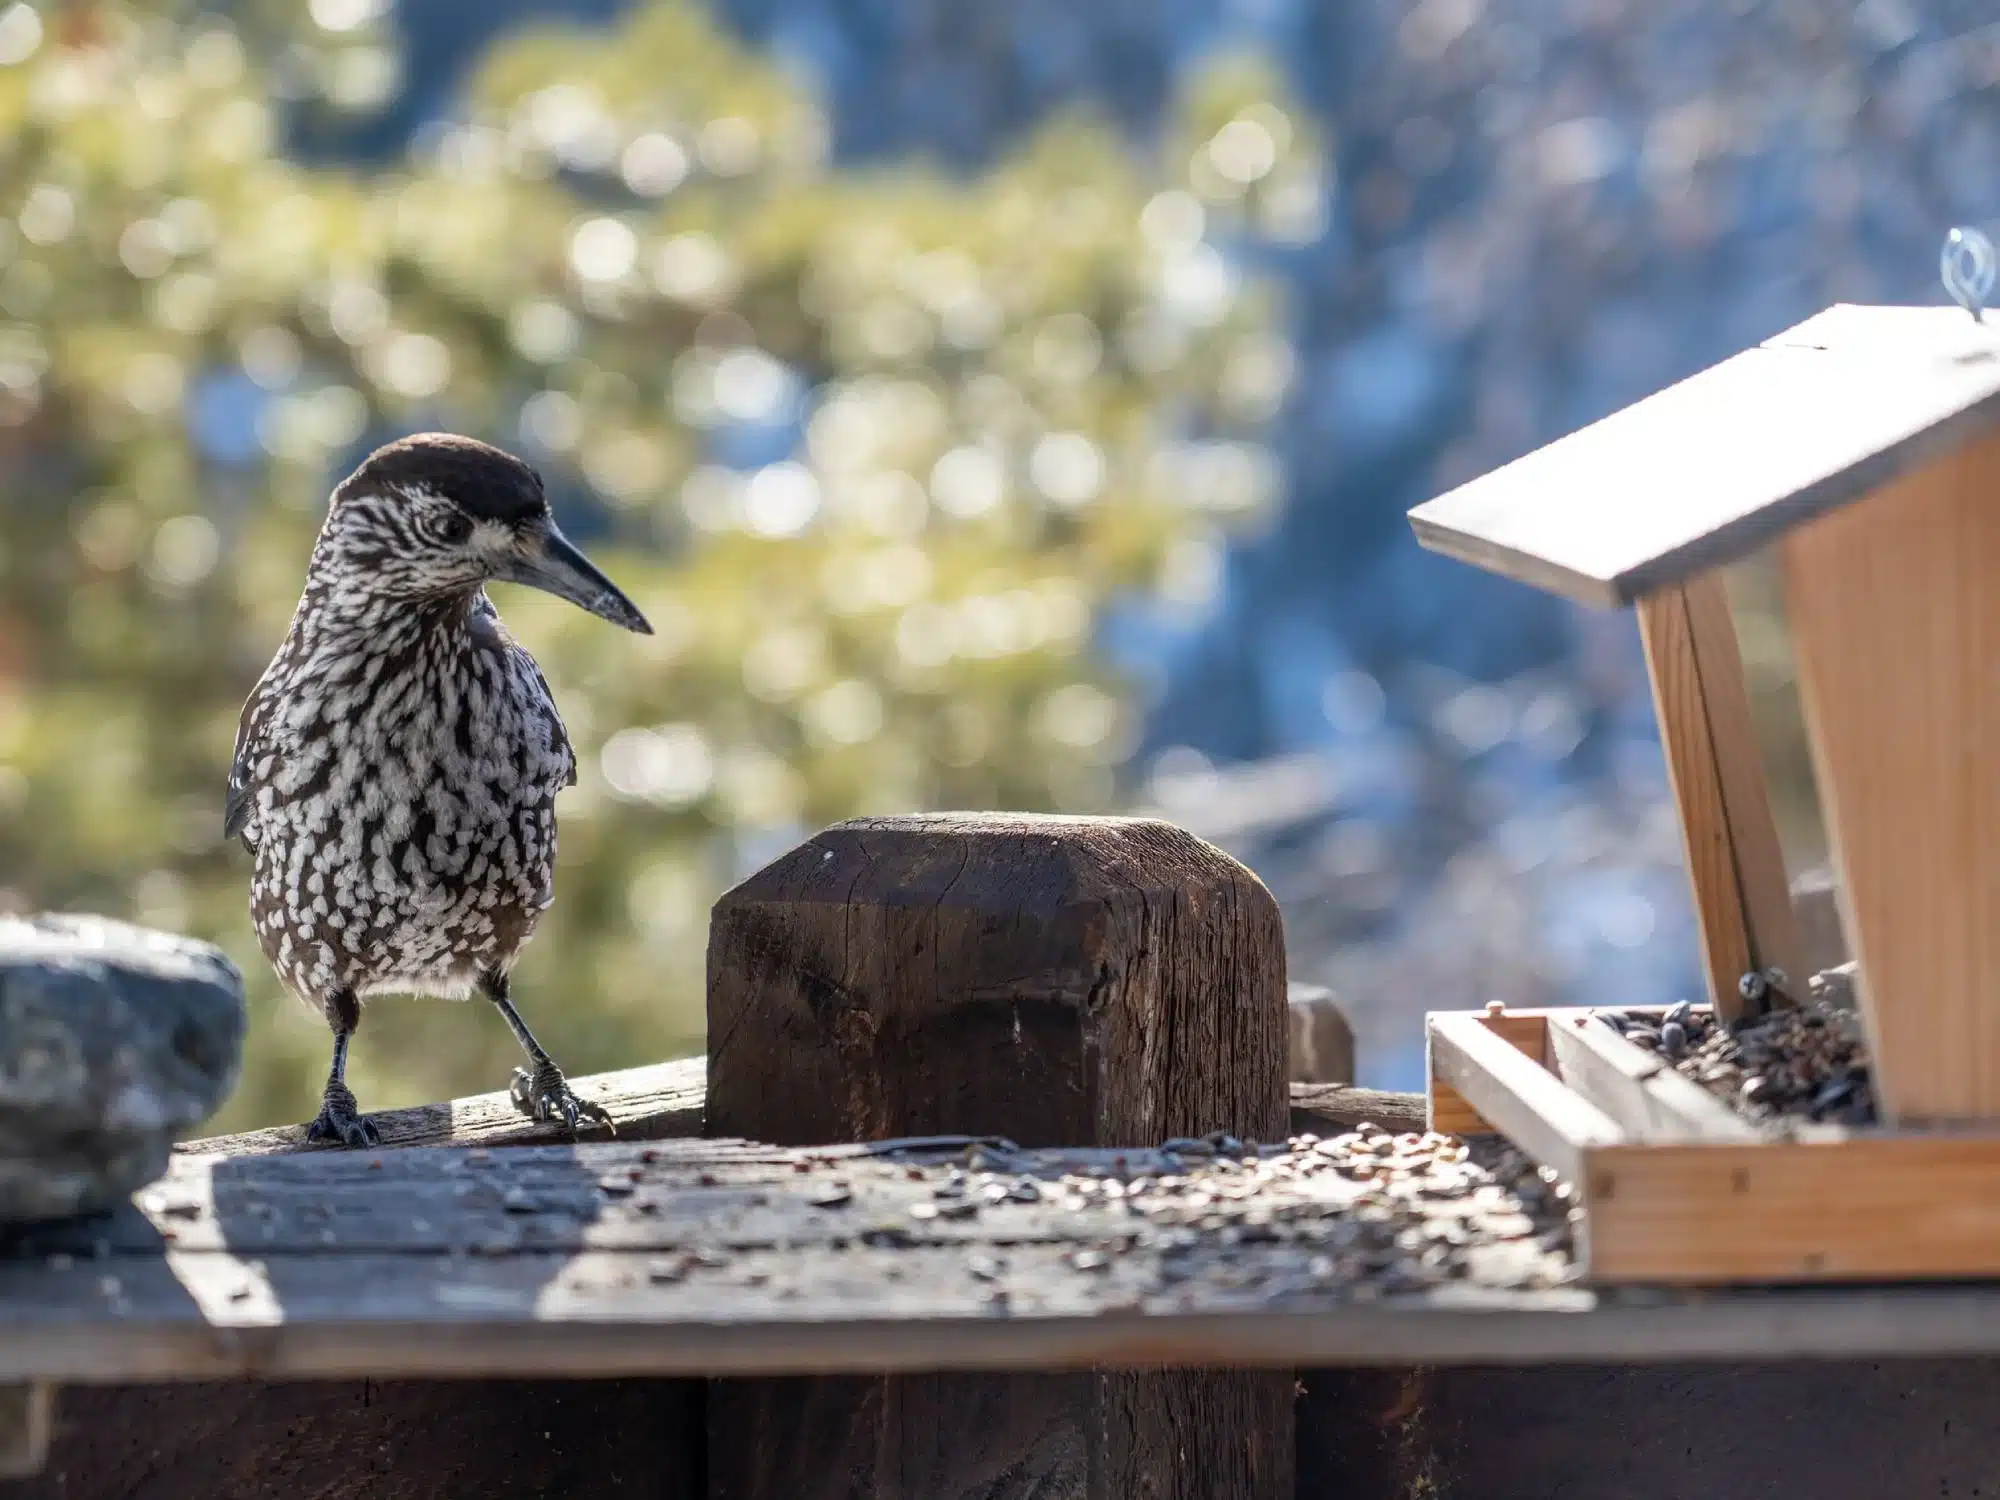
(242, 792)
(558, 732)
(490, 633)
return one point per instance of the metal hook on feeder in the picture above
(1968, 266)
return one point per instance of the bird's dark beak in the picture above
(550, 562)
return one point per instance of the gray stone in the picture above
(114, 1041)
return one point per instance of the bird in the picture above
(397, 764)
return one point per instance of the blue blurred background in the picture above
(1384, 247)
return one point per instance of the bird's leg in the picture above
(541, 1093)
(340, 1121)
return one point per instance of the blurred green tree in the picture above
(872, 449)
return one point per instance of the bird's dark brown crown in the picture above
(485, 482)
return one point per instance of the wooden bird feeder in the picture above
(1864, 445)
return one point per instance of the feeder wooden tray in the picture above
(1676, 1187)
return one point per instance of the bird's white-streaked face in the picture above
(414, 541)
(418, 521)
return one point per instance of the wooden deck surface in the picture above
(684, 1257)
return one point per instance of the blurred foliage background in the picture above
(870, 449)
(992, 405)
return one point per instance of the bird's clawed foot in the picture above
(340, 1123)
(545, 1095)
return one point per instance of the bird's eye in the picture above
(457, 527)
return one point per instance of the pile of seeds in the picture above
(1794, 1064)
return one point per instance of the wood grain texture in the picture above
(658, 1102)
(901, 959)
(1517, 1095)
(1639, 1089)
(1707, 471)
(1450, 1112)
(1333, 1109)
(748, 1271)
(1636, 1088)
(1895, 615)
(994, 1436)
(1849, 1429)
(524, 1439)
(1687, 736)
(1769, 917)
(1678, 1190)
(429, 1319)
(1106, 981)
(1857, 1209)
(1831, 1430)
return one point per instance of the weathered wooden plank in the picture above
(1266, 1268)
(1108, 981)
(714, 1195)
(665, 1101)
(1030, 936)
(1329, 1109)
(869, 1309)
(1014, 1437)
(1831, 1430)
(520, 1439)
(651, 1103)
(1895, 614)
(1709, 470)
(1834, 1430)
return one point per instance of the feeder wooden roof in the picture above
(1707, 471)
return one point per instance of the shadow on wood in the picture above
(376, 1440)
(1830, 1431)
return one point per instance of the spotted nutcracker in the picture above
(397, 765)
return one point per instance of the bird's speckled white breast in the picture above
(404, 817)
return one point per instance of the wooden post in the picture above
(1742, 900)
(1322, 1040)
(1894, 605)
(1059, 981)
